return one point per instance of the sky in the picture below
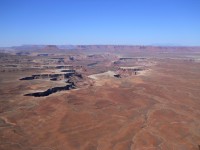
(89, 22)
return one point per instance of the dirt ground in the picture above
(157, 109)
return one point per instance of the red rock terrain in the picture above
(157, 109)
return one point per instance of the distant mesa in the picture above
(51, 47)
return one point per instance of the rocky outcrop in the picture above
(129, 71)
(27, 78)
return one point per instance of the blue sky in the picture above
(131, 22)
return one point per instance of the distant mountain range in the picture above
(100, 48)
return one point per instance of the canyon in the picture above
(99, 97)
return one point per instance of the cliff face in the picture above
(52, 90)
(48, 76)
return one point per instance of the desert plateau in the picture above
(99, 97)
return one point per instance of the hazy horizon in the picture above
(153, 45)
